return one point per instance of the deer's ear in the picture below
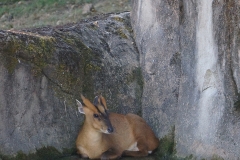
(103, 101)
(88, 104)
(80, 107)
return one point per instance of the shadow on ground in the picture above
(75, 157)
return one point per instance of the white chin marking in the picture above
(149, 152)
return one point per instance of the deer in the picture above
(105, 135)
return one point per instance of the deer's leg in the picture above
(142, 151)
(110, 154)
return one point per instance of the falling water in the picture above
(207, 78)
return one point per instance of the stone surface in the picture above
(205, 76)
(44, 70)
(182, 74)
(157, 38)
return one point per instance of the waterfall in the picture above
(209, 86)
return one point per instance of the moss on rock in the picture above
(167, 145)
(44, 153)
(69, 68)
(23, 47)
(121, 33)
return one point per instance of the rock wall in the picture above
(189, 54)
(182, 74)
(157, 38)
(43, 71)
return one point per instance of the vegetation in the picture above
(17, 14)
(166, 149)
(45, 153)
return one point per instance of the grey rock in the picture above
(205, 78)
(44, 70)
(182, 73)
(157, 38)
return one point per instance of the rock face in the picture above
(157, 38)
(43, 71)
(182, 75)
(189, 55)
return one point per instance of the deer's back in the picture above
(128, 129)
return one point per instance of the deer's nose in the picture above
(110, 129)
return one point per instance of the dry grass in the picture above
(15, 14)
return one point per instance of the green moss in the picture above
(167, 149)
(21, 156)
(28, 48)
(69, 151)
(89, 68)
(167, 145)
(216, 157)
(68, 85)
(8, 56)
(45, 153)
(49, 153)
(4, 157)
(120, 19)
(73, 73)
(121, 33)
(70, 76)
(126, 22)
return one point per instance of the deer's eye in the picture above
(95, 115)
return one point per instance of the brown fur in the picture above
(130, 131)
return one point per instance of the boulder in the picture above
(189, 55)
(43, 71)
